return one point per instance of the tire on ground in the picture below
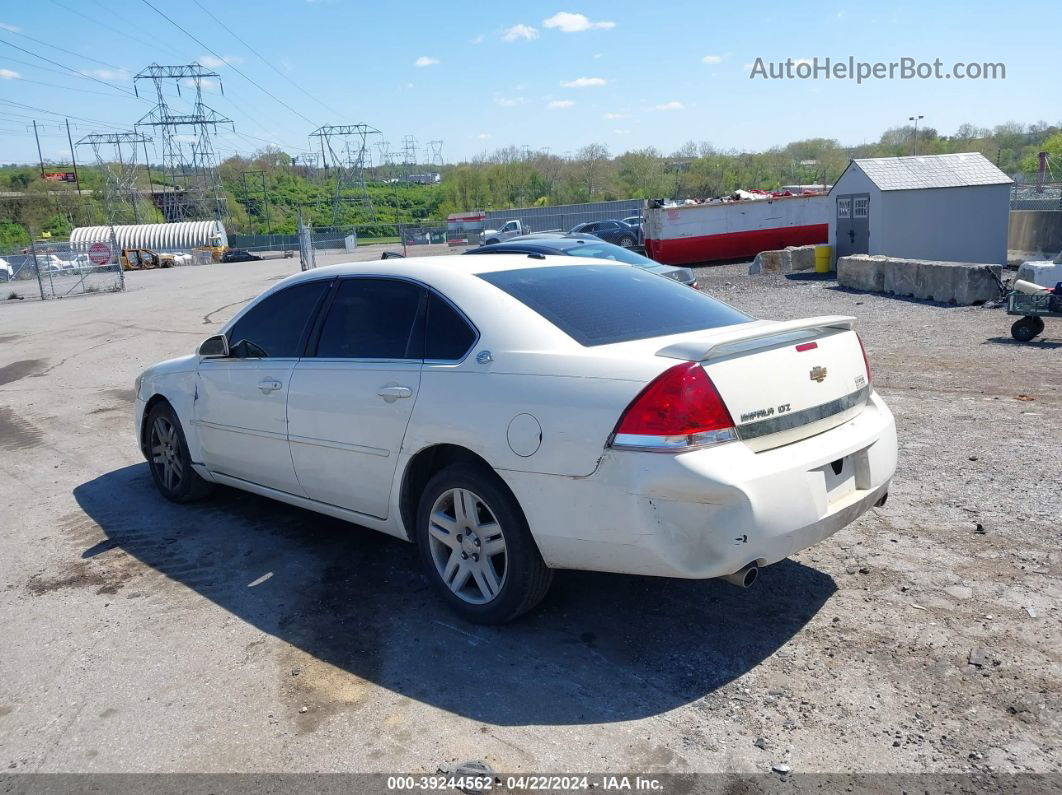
(190, 487)
(527, 578)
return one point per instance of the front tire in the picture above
(168, 458)
(476, 547)
(1025, 329)
(626, 242)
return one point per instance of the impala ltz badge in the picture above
(818, 374)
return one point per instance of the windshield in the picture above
(603, 304)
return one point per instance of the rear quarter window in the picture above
(604, 304)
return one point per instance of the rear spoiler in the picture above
(699, 350)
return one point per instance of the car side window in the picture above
(371, 318)
(275, 326)
(447, 336)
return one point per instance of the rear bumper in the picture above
(710, 512)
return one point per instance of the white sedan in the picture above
(512, 415)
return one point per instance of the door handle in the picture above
(269, 385)
(392, 392)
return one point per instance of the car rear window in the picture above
(602, 304)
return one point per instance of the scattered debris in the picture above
(976, 656)
(1024, 398)
(781, 767)
(1031, 611)
(304, 709)
(760, 743)
(296, 671)
(980, 529)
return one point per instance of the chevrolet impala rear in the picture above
(752, 440)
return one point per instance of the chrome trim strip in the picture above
(786, 422)
(344, 446)
(237, 429)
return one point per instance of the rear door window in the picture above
(276, 326)
(447, 336)
(603, 304)
(371, 318)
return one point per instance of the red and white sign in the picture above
(100, 253)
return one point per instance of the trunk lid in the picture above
(784, 381)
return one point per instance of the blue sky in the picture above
(557, 75)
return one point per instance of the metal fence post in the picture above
(117, 258)
(36, 266)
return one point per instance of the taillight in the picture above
(866, 361)
(679, 410)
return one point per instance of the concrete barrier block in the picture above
(802, 258)
(768, 262)
(862, 272)
(962, 283)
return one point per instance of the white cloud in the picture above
(478, 39)
(9, 74)
(673, 105)
(612, 116)
(557, 104)
(425, 60)
(409, 85)
(206, 83)
(508, 102)
(597, 55)
(12, 28)
(710, 59)
(213, 62)
(107, 74)
(584, 82)
(483, 136)
(520, 31)
(567, 22)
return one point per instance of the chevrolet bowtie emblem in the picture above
(818, 374)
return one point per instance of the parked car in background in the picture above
(611, 231)
(580, 245)
(239, 255)
(512, 415)
(7, 272)
(509, 230)
(634, 222)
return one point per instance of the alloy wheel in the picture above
(166, 453)
(467, 546)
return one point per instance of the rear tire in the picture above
(476, 547)
(626, 241)
(168, 458)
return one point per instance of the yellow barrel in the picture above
(823, 255)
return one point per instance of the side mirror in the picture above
(216, 347)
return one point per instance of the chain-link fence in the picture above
(47, 269)
(1028, 194)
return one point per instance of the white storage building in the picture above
(935, 207)
(181, 236)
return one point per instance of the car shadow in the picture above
(1037, 342)
(601, 648)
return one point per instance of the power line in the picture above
(235, 68)
(64, 88)
(68, 52)
(263, 60)
(152, 45)
(69, 69)
(22, 105)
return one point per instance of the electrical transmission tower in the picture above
(187, 157)
(346, 148)
(435, 153)
(116, 158)
(409, 158)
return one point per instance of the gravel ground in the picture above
(243, 635)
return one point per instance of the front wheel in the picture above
(168, 458)
(1025, 329)
(626, 241)
(476, 547)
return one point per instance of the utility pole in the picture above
(40, 157)
(914, 138)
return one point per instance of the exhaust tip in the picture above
(745, 577)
